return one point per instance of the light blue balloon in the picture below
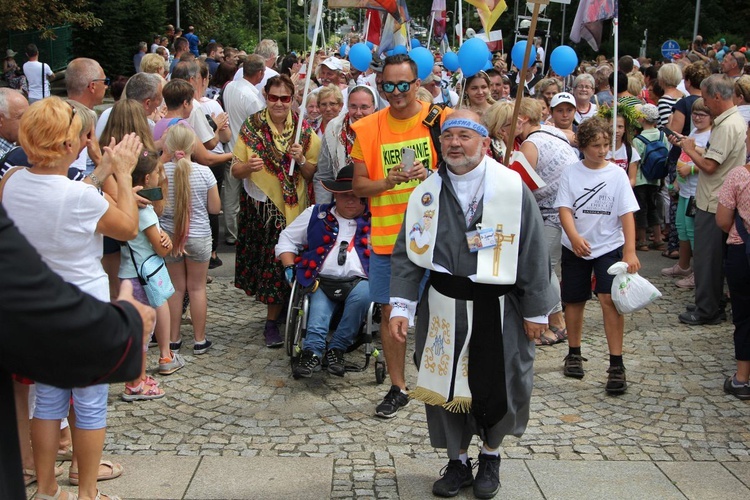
(415, 43)
(472, 56)
(370, 45)
(360, 56)
(519, 50)
(487, 66)
(450, 61)
(342, 51)
(424, 59)
(388, 53)
(399, 49)
(563, 60)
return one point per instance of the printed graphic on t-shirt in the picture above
(593, 203)
(391, 153)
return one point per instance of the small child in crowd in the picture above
(150, 240)
(596, 207)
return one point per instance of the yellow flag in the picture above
(489, 11)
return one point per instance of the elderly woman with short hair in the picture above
(583, 91)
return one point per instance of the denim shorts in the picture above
(380, 278)
(197, 249)
(89, 403)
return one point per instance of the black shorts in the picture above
(576, 275)
(111, 246)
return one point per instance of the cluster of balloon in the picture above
(563, 60)
(472, 56)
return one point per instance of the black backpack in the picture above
(654, 159)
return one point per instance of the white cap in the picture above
(561, 98)
(333, 63)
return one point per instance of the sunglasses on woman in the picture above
(286, 99)
(402, 87)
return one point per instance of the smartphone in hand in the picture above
(671, 133)
(407, 158)
(151, 194)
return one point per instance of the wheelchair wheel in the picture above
(294, 320)
(380, 372)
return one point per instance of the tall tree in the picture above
(23, 15)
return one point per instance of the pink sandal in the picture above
(143, 391)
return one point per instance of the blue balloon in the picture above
(360, 56)
(370, 45)
(342, 51)
(399, 49)
(563, 60)
(415, 43)
(472, 56)
(388, 53)
(487, 66)
(518, 52)
(424, 59)
(450, 61)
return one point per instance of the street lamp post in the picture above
(288, 15)
(260, 36)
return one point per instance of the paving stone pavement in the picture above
(239, 400)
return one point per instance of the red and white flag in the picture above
(520, 164)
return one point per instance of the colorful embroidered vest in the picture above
(322, 231)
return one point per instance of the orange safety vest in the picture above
(381, 151)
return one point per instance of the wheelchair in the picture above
(296, 329)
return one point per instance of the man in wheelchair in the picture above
(325, 250)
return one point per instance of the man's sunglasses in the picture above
(106, 81)
(389, 87)
(286, 99)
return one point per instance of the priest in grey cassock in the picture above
(477, 228)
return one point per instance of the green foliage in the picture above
(23, 15)
(126, 22)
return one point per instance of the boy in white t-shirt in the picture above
(596, 207)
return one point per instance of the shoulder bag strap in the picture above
(549, 133)
(5, 179)
(132, 258)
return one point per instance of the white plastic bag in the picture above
(630, 292)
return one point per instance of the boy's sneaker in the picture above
(573, 365)
(167, 366)
(308, 363)
(456, 475)
(202, 347)
(335, 362)
(676, 271)
(741, 391)
(392, 403)
(616, 383)
(175, 346)
(487, 482)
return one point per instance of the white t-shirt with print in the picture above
(689, 185)
(59, 218)
(598, 198)
(621, 157)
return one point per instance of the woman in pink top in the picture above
(733, 209)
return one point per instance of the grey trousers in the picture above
(231, 201)
(708, 259)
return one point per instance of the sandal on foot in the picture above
(662, 245)
(542, 341)
(32, 475)
(674, 254)
(65, 456)
(142, 392)
(642, 246)
(56, 496)
(115, 471)
(561, 334)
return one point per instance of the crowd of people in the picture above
(340, 190)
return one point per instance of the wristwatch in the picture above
(95, 180)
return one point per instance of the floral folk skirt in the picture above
(257, 271)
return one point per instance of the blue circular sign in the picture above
(670, 48)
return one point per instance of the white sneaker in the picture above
(168, 366)
(688, 282)
(676, 271)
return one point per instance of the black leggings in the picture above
(213, 220)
